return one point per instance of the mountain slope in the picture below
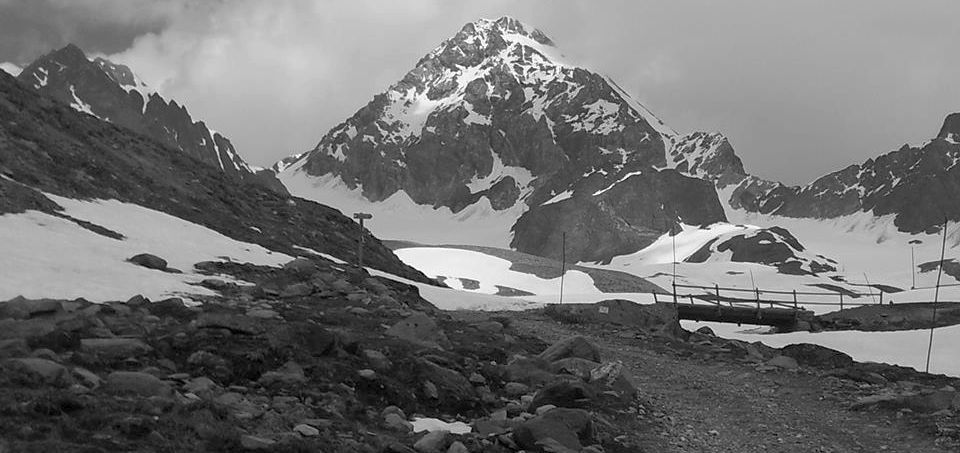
(48, 148)
(496, 120)
(917, 185)
(112, 92)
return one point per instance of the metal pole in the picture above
(361, 216)
(913, 270)
(936, 293)
(360, 252)
(563, 261)
(674, 237)
(674, 284)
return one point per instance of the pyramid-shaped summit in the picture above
(496, 120)
(495, 103)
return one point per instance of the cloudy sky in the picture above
(801, 88)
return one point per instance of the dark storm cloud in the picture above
(30, 28)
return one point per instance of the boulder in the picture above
(564, 393)
(306, 430)
(577, 346)
(301, 266)
(149, 261)
(115, 348)
(432, 442)
(417, 328)
(706, 330)
(234, 323)
(22, 308)
(817, 356)
(133, 382)
(451, 385)
(574, 365)
(568, 428)
(396, 422)
(784, 362)
(614, 376)
(38, 370)
(290, 373)
(529, 370)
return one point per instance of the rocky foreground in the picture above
(322, 357)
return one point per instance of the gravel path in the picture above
(698, 399)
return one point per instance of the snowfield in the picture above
(399, 217)
(48, 256)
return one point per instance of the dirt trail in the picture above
(697, 400)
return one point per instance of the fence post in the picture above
(841, 301)
(674, 284)
(881, 297)
(691, 299)
(655, 300)
(716, 288)
(795, 307)
(757, 291)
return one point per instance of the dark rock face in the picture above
(617, 214)
(708, 156)
(113, 93)
(47, 146)
(496, 113)
(773, 246)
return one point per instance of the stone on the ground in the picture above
(458, 447)
(302, 266)
(367, 373)
(306, 430)
(564, 393)
(515, 389)
(215, 284)
(256, 443)
(576, 346)
(134, 382)
(41, 370)
(574, 365)
(149, 261)
(450, 383)
(115, 348)
(417, 328)
(377, 360)
(234, 323)
(290, 373)
(782, 361)
(396, 422)
(87, 377)
(22, 308)
(300, 289)
(706, 330)
(200, 385)
(569, 428)
(817, 356)
(432, 442)
(529, 370)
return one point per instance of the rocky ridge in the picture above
(48, 147)
(112, 92)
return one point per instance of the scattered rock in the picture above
(397, 422)
(564, 393)
(149, 261)
(432, 442)
(458, 447)
(570, 428)
(417, 328)
(214, 283)
(784, 362)
(138, 383)
(42, 370)
(87, 377)
(289, 374)
(515, 389)
(577, 346)
(234, 323)
(706, 330)
(306, 430)
(256, 443)
(23, 308)
(575, 366)
(115, 348)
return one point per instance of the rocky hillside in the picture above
(496, 116)
(113, 93)
(48, 147)
(915, 184)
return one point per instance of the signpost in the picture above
(361, 216)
